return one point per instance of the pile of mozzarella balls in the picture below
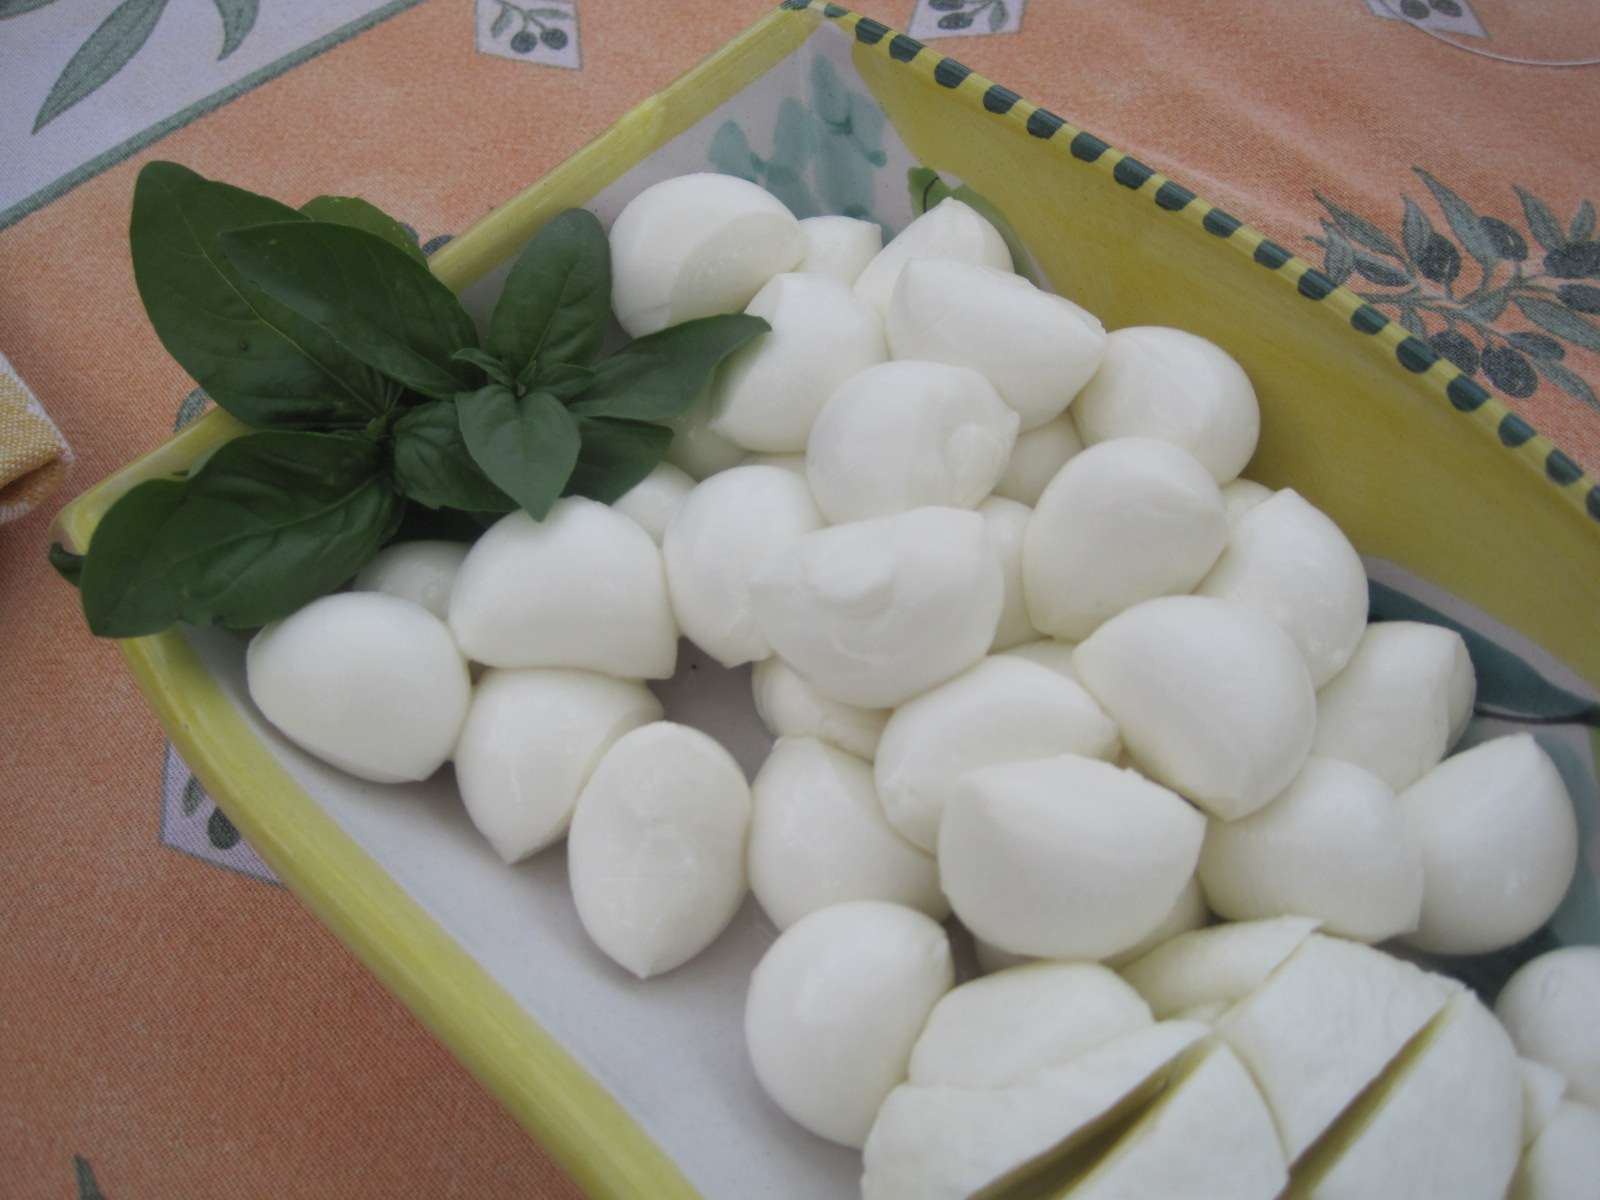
(1035, 656)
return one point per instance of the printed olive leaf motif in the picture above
(88, 1189)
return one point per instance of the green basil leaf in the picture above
(378, 303)
(526, 445)
(272, 521)
(262, 362)
(563, 380)
(433, 466)
(360, 214)
(657, 376)
(557, 299)
(615, 456)
(67, 564)
(490, 365)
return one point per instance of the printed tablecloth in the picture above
(172, 1022)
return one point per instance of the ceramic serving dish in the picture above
(1464, 515)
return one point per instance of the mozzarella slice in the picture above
(1224, 963)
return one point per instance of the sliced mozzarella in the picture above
(791, 707)
(422, 572)
(951, 230)
(1224, 963)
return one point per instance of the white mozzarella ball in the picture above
(1564, 1161)
(1002, 710)
(530, 742)
(819, 837)
(1188, 913)
(1239, 496)
(696, 245)
(840, 247)
(1543, 1089)
(1035, 348)
(651, 502)
(1007, 522)
(1290, 562)
(1036, 456)
(789, 462)
(656, 850)
(583, 588)
(1212, 699)
(1048, 652)
(834, 1007)
(1499, 843)
(696, 449)
(1065, 857)
(369, 682)
(999, 1029)
(875, 612)
(1168, 384)
(992, 958)
(906, 435)
(422, 572)
(948, 230)
(790, 707)
(1124, 521)
(766, 394)
(1395, 706)
(725, 528)
(1551, 1007)
(1332, 845)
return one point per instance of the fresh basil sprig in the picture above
(372, 398)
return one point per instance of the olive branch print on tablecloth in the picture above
(1456, 287)
(532, 27)
(961, 14)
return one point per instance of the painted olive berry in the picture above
(1445, 8)
(1456, 348)
(1574, 261)
(1509, 371)
(955, 20)
(523, 41)
(1539, 345)
(1415, 9)
(1439, 261)
(1580, 297)
(945, 5)
(220, 831)
(556, 39)
(1508, 243)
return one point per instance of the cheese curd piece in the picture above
(422, 572)
(1124, 521)
(1289, 562)
(1065, 857)
(1168, 384)
(1399, 703)
(369, 682)
(1564, 1163)
(875, 612)
(1035, 348)
(582, 588)
(1212, 699)
(834, 1007)
(696, 245)
(839, 247)
(948, 230)
(766, 394)
(1006, 522)
(819, 837)
(1333, 845)
(1036, 456)
(1001, 710)
(696, 449)
(790, 707)
(1222, 964)
(651, 502)
(656, 850)
(906, 435)
(725, 528)
(1551, 1007)
(531, 740)
(1499, 843)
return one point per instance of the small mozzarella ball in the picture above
(999, 1029)
(1394, 707)
(1333, 845)
(583, 588)
(1168, 384)
(875, 612)
(1543, 1089)
(1239, 496)
(819, 837)
(1065, 857)
(991, 958)
(656, 848)
(1551, 1007)
(1125, 521)
(651, 502)
(906, 435)
(1499, 844)
(531, 740)
(422, 572)
(1290, 562)
(369, 682)
(1048, 652)
(1006, 522)
(1036, 456)
(1002, 710)
(790, 707)
(766, 394)
(696, 245)
(695, 449)
(839, 246)
(834, 1007)
(789, 462)
(1564, 1161)
(1188, 913)
(948, 230)
(1212, 699)
(725, 528)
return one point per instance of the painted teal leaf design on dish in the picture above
(15, 8)
(108, 49)
(238, 19)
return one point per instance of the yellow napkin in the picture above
(33, 455)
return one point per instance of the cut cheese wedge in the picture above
(1217, 965)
